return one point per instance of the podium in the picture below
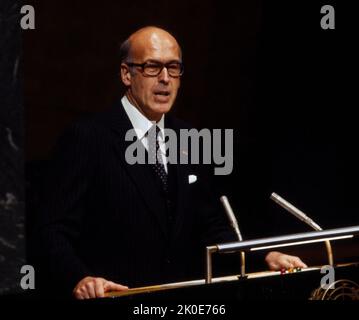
(307, 284)
(270, 285)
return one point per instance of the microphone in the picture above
(231, 217)
(234, 223)
(294, 211)
(303, 217)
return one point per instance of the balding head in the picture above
(145, 38)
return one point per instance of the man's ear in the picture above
(125, 74)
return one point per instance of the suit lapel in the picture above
(181, 170)
(141, 174)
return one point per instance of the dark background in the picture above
(12, 198)
(264, 68)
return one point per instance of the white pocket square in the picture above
(192, 178)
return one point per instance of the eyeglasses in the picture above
(153, 69)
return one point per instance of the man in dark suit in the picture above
(106, 220)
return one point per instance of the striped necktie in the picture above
(155, 156)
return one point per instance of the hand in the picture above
(91, 287)
(277, 261)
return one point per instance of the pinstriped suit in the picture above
(103, 217)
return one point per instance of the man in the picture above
(106, 224)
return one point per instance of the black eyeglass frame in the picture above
(162, 65)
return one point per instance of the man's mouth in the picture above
(162, 93)
(162, 96)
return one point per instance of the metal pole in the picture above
(209, 251)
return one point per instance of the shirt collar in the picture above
(139, 122)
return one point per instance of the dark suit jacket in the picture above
(101, 216)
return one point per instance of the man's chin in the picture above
(162, 108)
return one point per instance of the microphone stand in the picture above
(303, 217)
(234, 223)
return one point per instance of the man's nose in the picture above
(164, 77)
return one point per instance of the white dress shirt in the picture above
(141, 125)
